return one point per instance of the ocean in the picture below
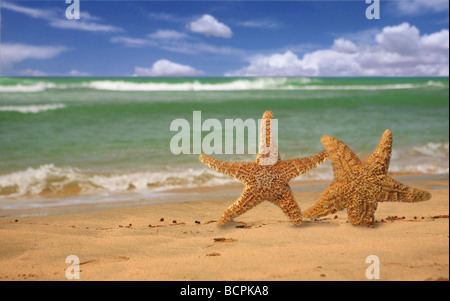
(67, 141)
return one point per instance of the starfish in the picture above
(266, 178)
(359, 186)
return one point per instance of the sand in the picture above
(133, 244)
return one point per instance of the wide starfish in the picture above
(359, 186)
(266, 178)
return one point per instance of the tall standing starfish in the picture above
(359, 186)
(266, 178)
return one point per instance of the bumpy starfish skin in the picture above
(359, 186)
(265, 181)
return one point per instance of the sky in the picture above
(224, 38)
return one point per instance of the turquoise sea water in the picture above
(108, 136)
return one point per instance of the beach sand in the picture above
(133, 244)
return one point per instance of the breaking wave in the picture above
(49, 179)
(242, 84)
(37, 87)
(31, 108)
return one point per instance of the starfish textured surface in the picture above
(266, 178)
(359, 186)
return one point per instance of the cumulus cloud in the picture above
(344, 46)
(210, 26)
(166, 68)
(397, 51)
(402, 39)
(13, 53)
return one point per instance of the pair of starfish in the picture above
(357, 186)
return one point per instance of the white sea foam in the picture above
(355, 87)
(33, 181)
(242, 84)
(427, 168)
(264, 83)
(431, 158)
(50, 178)
(434, 83)
(32, 108)
(432, 149)
(37, 87)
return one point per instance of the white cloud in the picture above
(14, 53)
(74, 72)
(417, 7)
(132, 42)
(31, 12)
(31, 72)
(172, 41)
(57, 20)
(403, 39)
(163, 17)
(438, 41)
(196, 48)
(83, 25)
(365, 36)
(210, 26)
(166, 68)
(84, 15)
(279, 64)
(344, 46)
(264, 24)
(167, 34)
(397, 51)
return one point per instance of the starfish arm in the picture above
(342, 157)
(394, 191)
(238, 170)
(381, 157)
(295, 167)
(245, 202)
(289, 206)
(331, 201)
(268, 149)
(361, 209)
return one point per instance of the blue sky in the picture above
(224, 38)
